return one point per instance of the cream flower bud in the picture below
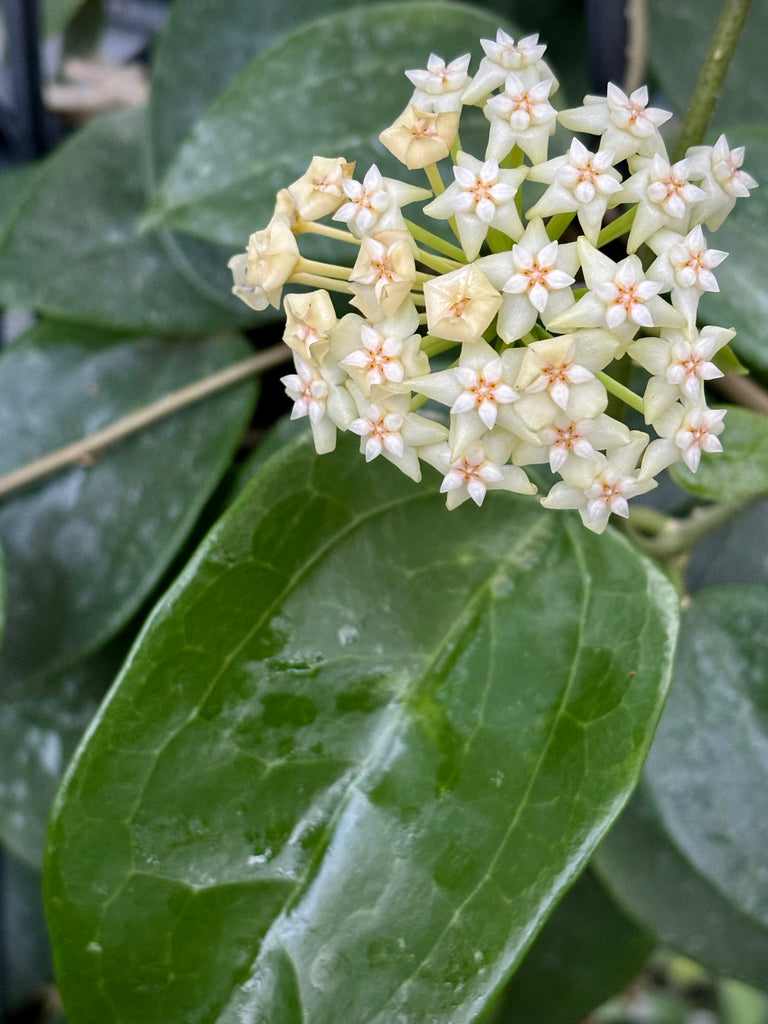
(461, 304)
(383, 274)
(419, 137)
(268, 262)
(318, 191)
(309, 319)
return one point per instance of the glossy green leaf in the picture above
(740, 471)
(680, 36)
(358, 752)
(39, 730)
(587, 952)
(716, 725)
(707, 782)
(226, 37)
(742, 301)
(73, 249)
(660, 888)
(328, 88)
(85, 547)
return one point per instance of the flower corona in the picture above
(523, 318)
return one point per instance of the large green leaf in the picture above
(680, 36)
(716, 726)
(356, 755)
(73, 250)
(702, 833)
(86, 546)
(742, 301)
(328, 88)
(740, 471)
(587, 952)
(659, 887)
(225, 37)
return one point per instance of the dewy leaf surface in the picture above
(742, 301)
(73, 249)
(84, 547)
(328, 88)
(355, 756)
(716, 726)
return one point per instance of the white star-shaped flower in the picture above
(503, 55)
(685, 431)
(316, 393)
(535, 279)
(620, 297)
(558, 374)
(723, 180)
(480, 469)
(441, 86)
(387, 427)
(374, 205)
(684, 267)
(566, 438)
(479, 393)
(664, 195)
(579, 182)
(481, 197)
(679, 364)
(627, 124)
(387, 352)
(602, 486)
(521, 116)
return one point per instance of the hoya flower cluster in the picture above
(540, 331)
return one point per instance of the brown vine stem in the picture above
(90, 446)
(712, 76)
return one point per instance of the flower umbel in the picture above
(532, 321)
